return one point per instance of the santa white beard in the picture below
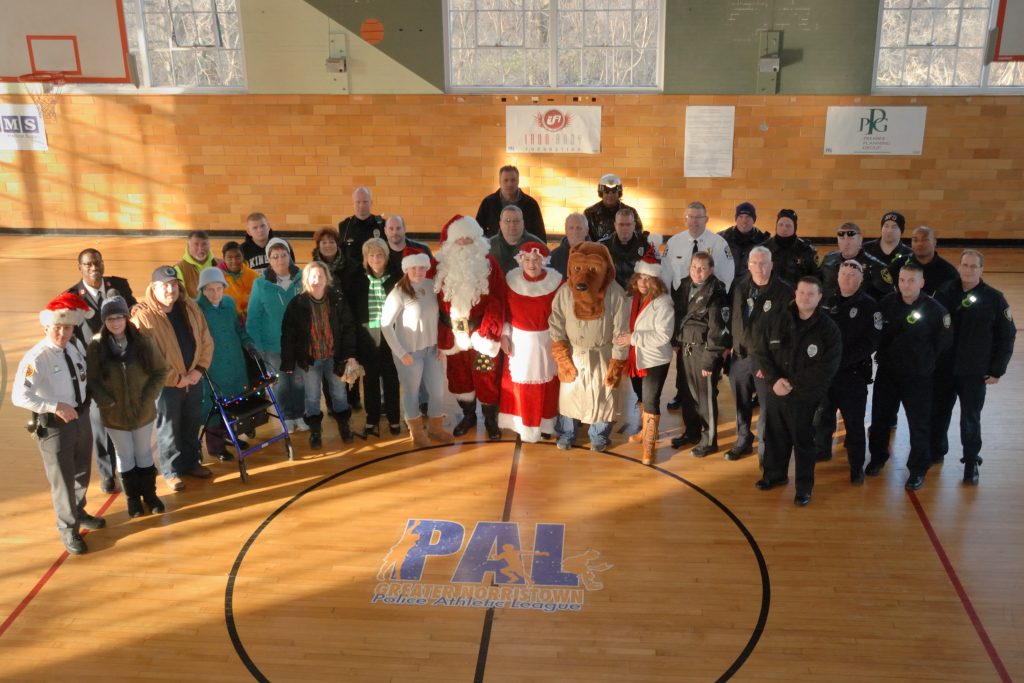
(462, 275)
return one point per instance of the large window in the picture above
(545, 44)
(186, 43)
(933, 44)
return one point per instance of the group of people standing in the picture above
(539, 338)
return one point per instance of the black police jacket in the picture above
(748, 312)
(601, 219)
(805, 352)
(860, 326)
(913, 335)
(354, 233)
(702, 320)
(983, 330)
(894, 260)
(792, 260)
(878, 280)
(937, 274)
(625, 256)
(741, 243)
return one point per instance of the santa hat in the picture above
(66, 309)
(412, 257)
(648, 265)
(535, 248)
(461, 226)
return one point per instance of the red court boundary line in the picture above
(46, 577)
(979, 628)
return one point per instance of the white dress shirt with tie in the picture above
(680, 249)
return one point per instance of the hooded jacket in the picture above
(151, 320)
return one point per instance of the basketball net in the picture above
(49, 85)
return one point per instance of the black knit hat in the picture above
(787, 213)
(746, 208)
(897, 217)
(114, 305)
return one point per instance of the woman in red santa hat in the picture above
(471, 295)
(651, 323)
(529, 385)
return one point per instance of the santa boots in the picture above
(132, 492)
(468, 418)
(436, 431)
(418, 432)
(650, 438)
(316, 435)
(490, 411)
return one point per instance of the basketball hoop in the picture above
(51, 84)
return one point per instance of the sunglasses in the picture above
(847, 233)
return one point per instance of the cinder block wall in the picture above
(178, 162)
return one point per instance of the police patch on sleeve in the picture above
(725, 313)
(946, 320)
(886, 276)
(767, 306)
(1009, 316)
(812, 350)
(878, 320)
(30, 369)
(728, 253)
(853, 312)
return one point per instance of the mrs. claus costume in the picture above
(529, 385)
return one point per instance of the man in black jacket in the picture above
(509, 194)
(743, 236)
(915, 331)
(626, 246)
(757, 297)
(937, 270)
(799, 353)
(860, 325)
(361, 226)
(983, 338)
(877, 278)
(94, 288)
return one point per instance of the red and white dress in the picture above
(529, 384)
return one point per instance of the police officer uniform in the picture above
(913, 337)
(878, 280)
(792, 258)
(860, 327)
(49, 375)
(740, 244)
(355, 231)
(983, 338)
(894, 260)
(752, 307)
(937, 273)
(601, 219)
(702, 333)
(625, 256)
(807, 353)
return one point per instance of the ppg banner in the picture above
(553, 129)
(21, 127)
(875, 130)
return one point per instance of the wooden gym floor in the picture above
(687, 572)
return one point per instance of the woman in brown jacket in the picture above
(126, 374)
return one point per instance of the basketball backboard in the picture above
(85, 39)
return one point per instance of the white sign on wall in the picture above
(21, 127)
(708, 142)
(553, 129)
(875, 130)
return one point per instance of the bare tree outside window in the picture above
(545, 44)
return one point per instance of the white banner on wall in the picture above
(875, 130)
(553, 129)
(708, 142)
(21, 127)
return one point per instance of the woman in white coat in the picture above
(651, 324)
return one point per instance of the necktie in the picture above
(74, 377)
(694, 248)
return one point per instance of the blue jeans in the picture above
(289, 389)
(323, 370)
(426, 370)
(599, 432)
(178, 419)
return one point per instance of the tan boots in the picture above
(436, 430)
(418, 431)
(648, 436)
(426, 431)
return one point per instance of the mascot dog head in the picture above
(589, 274)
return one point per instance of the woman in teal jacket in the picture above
(227, 369)
(279, 284)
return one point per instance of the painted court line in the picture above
(990, 648)
(47, 576)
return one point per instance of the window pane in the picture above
(946, 23)
(943, 64)
(202, 5)
(595, 66)
(184, 67)
(597, 31)
(160, 68)
(511, 26)
(645, 29)
(570, 67)
(231, 31)
(208, 67)
(620, 28)
(570, 29)
(538, 71)
(206, 30)
(488, 28)
(977, 3)
(227, 5)
(158, 31)
(181, 5)
(185, 34)
(463, 29)
(921, 27)
(510, 4)
(463, 67)
(646, 70)
(968, 67)
(487, 69)
(1006, 74)
(894, 28)
(537, 29)
(974, 28)
(897, 3)
(890, 67)
(915, 71)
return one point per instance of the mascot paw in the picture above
(562, 353)
(614, 375)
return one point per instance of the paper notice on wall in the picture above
(875, 130)
(709, 138)
(21, 127)
(553, 129)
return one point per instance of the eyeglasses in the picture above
(847, 233)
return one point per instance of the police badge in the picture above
(767, 306)
(725, 314)
(946, 321)
(853, 312)
(812, 350)
(878, 320)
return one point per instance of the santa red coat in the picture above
(529, 384)
(465, 381)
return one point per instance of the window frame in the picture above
(538, 91)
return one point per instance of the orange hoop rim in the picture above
(45, 77)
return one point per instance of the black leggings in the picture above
(648, 388)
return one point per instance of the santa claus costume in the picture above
(529, 385)
(471, 295)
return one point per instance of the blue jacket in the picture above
(227, 369)
(266, 309)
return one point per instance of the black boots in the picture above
(468, 417)
(343, 427)
(490, 411)
(971, 472)
(140, 482)
(132, 492)
(316, 436)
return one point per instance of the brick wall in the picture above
(177, 162)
